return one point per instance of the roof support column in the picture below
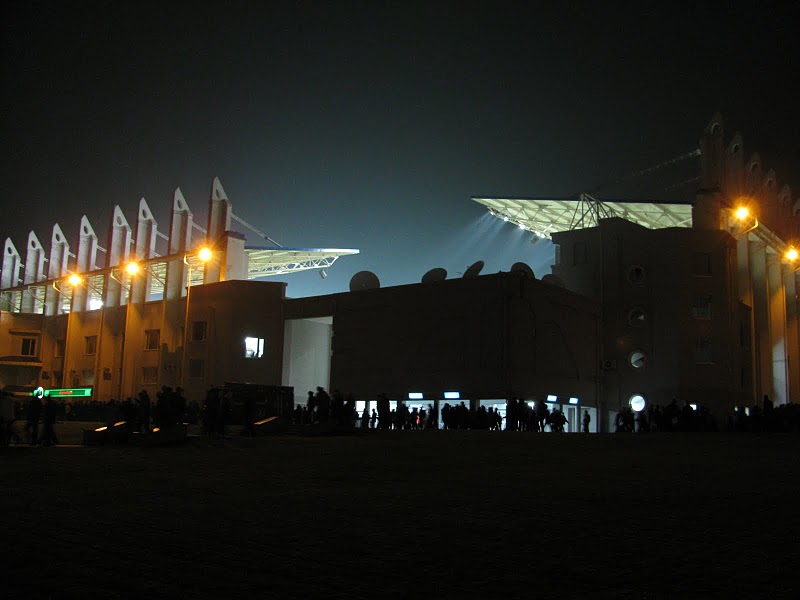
(792, 333)
(762, 351)
(777, 330)
(34, 271)
(56, 269)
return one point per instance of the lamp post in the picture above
(204, 255)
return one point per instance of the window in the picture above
(197, 367)
(637, 403)
(58, 348)
(702, 351)
(636, 316)
(637, 359)
(701, 264)
(91, 344)
(702, 307)
(198, 331)
(636, 274)
(152, 339)
(28, 346)
(87, 377)
(253, 347)
(149, 375)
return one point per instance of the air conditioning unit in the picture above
(608, 364)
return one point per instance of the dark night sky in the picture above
(369, 125)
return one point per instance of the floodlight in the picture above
(552, 398)
(205, 254)
(415, 395)
(452, 395)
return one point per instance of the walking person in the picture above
(32, 420)
(49, 433)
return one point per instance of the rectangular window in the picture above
(152, 339)
(87, 377)
(149, 375)
(702, 352)
(58, 348)
(198, 331)
(197, 368)
(28, 347)
(701, 264)
(253, 347)
(702, 307)
(91, 344)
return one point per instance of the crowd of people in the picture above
(321, 407)
(171, 408)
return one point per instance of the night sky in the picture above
(370, 125)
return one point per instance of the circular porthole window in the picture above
(637, 359)
(636, 316)
(636, 274)
(637, 403)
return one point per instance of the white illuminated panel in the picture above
(415, 395)
(573, 400)
(552, 398)
(452, 395)
(637, 403)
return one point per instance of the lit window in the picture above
(149, 375)
(152, 339)
(91, 344)
(58, 349)
(637, 403)
(638, 359)
(198, 331)
(28, 347)
(253, 347)
(197, 368)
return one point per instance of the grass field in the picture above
(407, 514)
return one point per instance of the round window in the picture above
(636, 316)
(638, 359)
(636, 274)
(637, 403)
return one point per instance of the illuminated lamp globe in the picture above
(204, 254)
(792, 254)
(742, 213)
(132, 268)
(74, 279)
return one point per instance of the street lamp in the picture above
(745, 216)
(792, 256)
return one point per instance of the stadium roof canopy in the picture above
(545, 216)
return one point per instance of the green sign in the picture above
(65, 393)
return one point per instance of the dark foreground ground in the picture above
(472, 514)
